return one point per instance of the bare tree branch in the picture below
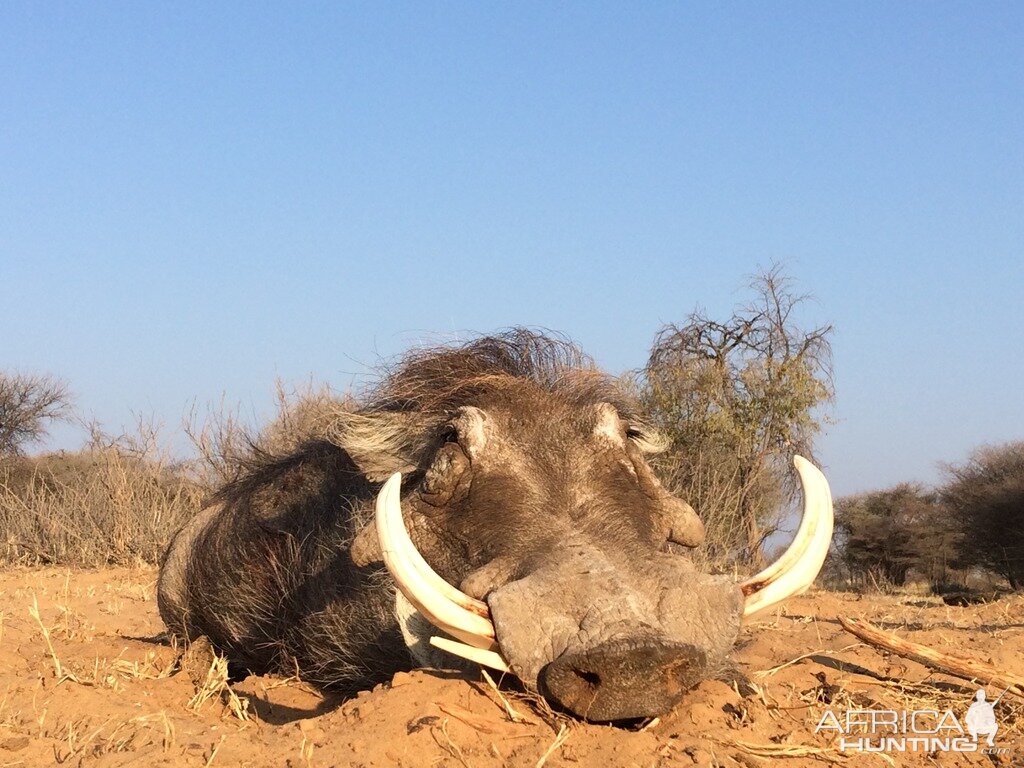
(28, 404)
(742, 392)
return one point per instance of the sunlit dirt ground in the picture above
(87, 678)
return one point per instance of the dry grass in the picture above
(224, 444)
(214, 687)
(115, 503)
(119, 500)
(560, 739)
(45, 631)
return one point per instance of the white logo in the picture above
(981, 717)
(919, 730)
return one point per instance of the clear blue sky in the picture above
(196, 200)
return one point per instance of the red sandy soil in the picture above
(102, 691)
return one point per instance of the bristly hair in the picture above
(441, 379)
(395, 426)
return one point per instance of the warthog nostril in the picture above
(623, 679)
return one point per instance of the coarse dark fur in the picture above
(267, 574)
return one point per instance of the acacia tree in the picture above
(985, 496)
(883, 535)
(27, 405)
(736, 400)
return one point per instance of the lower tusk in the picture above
(477, 641)
(796, 570)
(477, 655)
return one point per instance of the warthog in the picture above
(515, 470)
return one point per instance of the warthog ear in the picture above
(611, 425)
(472, 427)
(608, 425)
(383, 442)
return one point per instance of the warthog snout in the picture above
(625, 678)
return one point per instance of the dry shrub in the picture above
(119, 500)
(714, 485)
(226, 446)
(28, 404)
(736, 400)
(985, 497)
(116, 502)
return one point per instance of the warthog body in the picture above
(525, 484)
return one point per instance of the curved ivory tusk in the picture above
(440, 603)
(804, 534)
(796, 570)
(394, 517)
(476, 655)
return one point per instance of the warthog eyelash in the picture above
(646, 439)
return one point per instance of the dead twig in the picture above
(448, 745)
(652, 723)
(216, 749)
(563, 734)
(780, 750)
(472, 719)
(797, 660)
(513, 715)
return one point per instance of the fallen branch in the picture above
(951, 664)
(780, 750)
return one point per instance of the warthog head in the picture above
(530, 530)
